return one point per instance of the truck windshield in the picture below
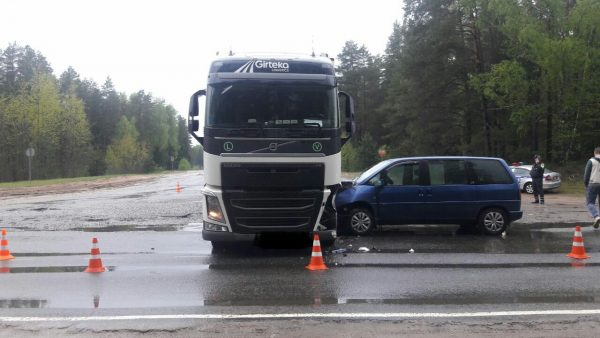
(271, 105)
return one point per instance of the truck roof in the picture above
(273, 64)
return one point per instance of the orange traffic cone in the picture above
(95, 264)
(578, 250)
(178, 189)
(4, 252)
(316, 260)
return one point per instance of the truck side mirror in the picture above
(349, 125)
(194, 111)
(193, 125)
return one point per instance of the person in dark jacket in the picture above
(591, 179)
(537, 179)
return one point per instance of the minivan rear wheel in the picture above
(493, 221)
(361, 221)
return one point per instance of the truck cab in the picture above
(272, 134)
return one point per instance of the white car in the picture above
(551, 178)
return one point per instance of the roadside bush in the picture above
(184, 165)
(357, 155)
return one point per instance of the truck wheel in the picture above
(528, 188)
(361, 221)
(493, 221)
(218, 245)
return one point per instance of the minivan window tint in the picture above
(442, 172)
(487, 172)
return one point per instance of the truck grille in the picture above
(257, 211)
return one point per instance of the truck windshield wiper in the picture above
(305, 129)
(312, 124)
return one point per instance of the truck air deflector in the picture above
(277, 176)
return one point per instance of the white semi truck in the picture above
(272, 135)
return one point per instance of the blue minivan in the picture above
(475, 192)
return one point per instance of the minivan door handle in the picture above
(421, 193)
(428, 192)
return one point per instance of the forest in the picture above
(498, 78)
(79, 128)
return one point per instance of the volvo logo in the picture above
(317, 146)
(273, 146)
(228, 146)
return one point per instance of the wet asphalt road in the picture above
(160, 266)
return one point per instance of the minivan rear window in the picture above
(487, 172)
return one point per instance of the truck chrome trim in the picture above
(272, 155)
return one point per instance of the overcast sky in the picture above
(165, 47)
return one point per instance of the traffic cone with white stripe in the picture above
(316, 259)
(95, 264)
(578, 250)
(4, 252)
(178, 188)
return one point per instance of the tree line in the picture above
(77, 127)
(479, 77)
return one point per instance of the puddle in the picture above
(464, 266)
(453, 300)
(132, 196)
(23, 303)
(177, 216)
(124, 228)
(49, 269)
(49, 254)
(335, 265)
(439, 300)
(96, 219)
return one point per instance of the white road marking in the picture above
(339, 315)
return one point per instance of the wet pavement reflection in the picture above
(177, 268)
(23, 303)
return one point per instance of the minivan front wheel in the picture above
(528, 188)
(361, 221)
(493, 221)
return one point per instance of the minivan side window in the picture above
(402, 174)
(487, 172)
(447, 172)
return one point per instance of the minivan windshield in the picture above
(271, 105)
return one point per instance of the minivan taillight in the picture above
(548, 178)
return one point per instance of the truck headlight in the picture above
(213, 208)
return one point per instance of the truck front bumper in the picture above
(222, 236)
